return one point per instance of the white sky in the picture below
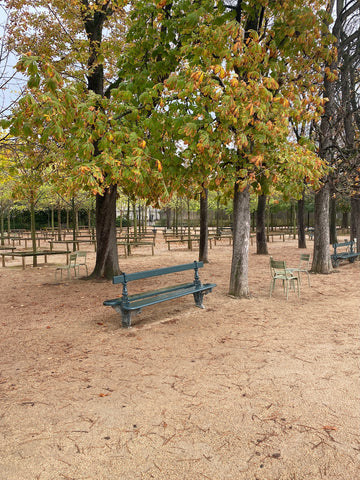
(10, 85)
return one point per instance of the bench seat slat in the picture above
(149, 298)
(137, 304)
(138, 296)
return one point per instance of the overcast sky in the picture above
(10, 84)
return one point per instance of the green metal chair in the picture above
(68, 267)
(280, 272)
(81, 261)
(304, 267)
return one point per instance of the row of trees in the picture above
(182, 96)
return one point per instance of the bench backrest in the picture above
(343, 244)
(128, 277)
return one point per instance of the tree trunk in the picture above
(59, 224)
(168, 217)
(203, 245)
(73, 222)
(261, 245)
(333, 236)
(107, 261)
(355, 220)
(321, 258)
(135, 221)
(52, 220)
(33, 230)
(345, 220)
(2, 228)
(239, 286)
(8, 224)
(301, 223)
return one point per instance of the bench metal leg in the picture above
(198, 297)
(125, 315)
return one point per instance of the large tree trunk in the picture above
(239, 286)
(321, 259)
(203, 244)
(261, 245)
(107, 261)
(301, 223)
(355, 220)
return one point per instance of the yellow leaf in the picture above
(158, 165)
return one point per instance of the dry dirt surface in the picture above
(258, 389)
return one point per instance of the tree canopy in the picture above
(202, 95)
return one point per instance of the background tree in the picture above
(26, 168)
(69, 43)
(231, 96)
(329, 146)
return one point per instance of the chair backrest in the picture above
(278, 267)
(81, 255)
(304, 261)
(73, 257)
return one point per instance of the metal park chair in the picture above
(304, 267)
(68, 267)
(81, 261)
(280, 272)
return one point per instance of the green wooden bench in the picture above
(348, 254)
(128, 304)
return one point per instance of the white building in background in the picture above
(153, 214)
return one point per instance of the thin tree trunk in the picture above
(2, 228)
(135, 222)
(33, 230)
(239, 286)
(261, 244)
(73, 218)
(204, 219)
(188, 225)
(59, 223)
(9, 224)
(52, 220)
(107, 261)
(333, 236)
(301, 223)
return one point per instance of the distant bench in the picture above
(25, 254)
(128, 304)
(68, 243)
(127, 246)
(348, 254)
(189, 241)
